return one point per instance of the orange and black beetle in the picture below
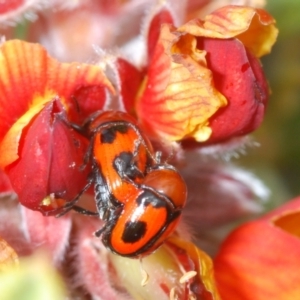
(139, 199)
(149, 215)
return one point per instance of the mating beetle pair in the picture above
(139, 198)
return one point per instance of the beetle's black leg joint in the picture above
(84, 211)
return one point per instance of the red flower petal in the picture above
(49, 165)
(238, 75)
(179, 95)
(128, 81)
(255, 28)
(162, 17)
(263, 257)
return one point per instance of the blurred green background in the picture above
(277, 160)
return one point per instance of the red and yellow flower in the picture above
(200, 83)
(187, 93)
(39, 96)
(260, 259)
(204, 79)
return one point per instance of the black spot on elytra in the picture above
(134, 231)
(108, 135)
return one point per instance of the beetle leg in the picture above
(113, 216)
(68, 206)
(88, 155)
(84, 211)
(100, 231)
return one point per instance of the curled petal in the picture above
(127, 79)
(54, 176)
(286, 217)
(9, 145)
(201, 8)
(162, 17)
(289, 223)
(255, 28)
(269, 246)
(179, 96)
(238, 75)
(130, 79)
